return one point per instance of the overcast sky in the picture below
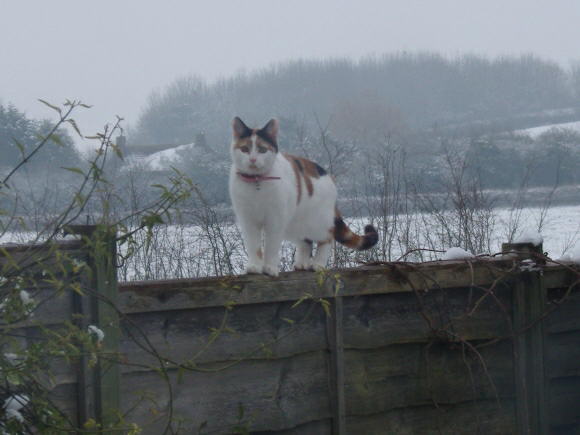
(112, 54)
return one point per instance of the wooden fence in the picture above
(478, 346)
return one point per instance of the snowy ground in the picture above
(190, 251)
(534, 132)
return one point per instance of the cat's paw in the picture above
(252, 269)
(302, 266)
(271, 271)
(318, 267)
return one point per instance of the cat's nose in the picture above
(253, 160)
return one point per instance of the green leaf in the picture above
(76, 170)
(56, 139)
(53, 107)
(302, 299)
(20, 147)
(75, 126)
(151, 220)
(325, 306)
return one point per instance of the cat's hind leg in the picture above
(303, 256)
(321, 257)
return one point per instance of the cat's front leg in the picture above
(252, 236)
(273, 236)
(303, 255)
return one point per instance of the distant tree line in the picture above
(419, 91)
(18, 133)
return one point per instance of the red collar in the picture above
(254, 178)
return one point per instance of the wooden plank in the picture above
(107, 374)
(101, 384)
(565, 317)
(563, 354)
(336, 373)
(407, 375)
(379, 320)
(564, 401)
(556, 276)
(482, 417)
(258, 331)
(320, 427)
(529, 306)
(251, 289)
(274, 395)
(31, 260)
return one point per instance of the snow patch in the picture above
(534, 132)
(14, 404)
(457, 254)
(530, 235)
(94, 330)
(161, 160)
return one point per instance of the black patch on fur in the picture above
(300, 167)
(370, 238)
(308, 242)
(246, 131)
(340, 228)
(265, 136)
(320, 169)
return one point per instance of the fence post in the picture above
(529, 304)
(334, 330)
(99, 386)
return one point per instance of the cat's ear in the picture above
(240, 129)
(271, 129)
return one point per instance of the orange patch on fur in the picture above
(243, 142)
(307, 169)
(261, 142)
(297, 174)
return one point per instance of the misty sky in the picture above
(112, 54)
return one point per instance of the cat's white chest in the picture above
(271, 198)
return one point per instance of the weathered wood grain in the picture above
(274, 395)
(563, 354)
(275, 330)
(565, 316)
(32, 260)
(564, 402)
(291, 286)
(482, 417)
(409, 375)
(321, 427)
(379, 320)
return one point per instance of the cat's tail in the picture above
(344, 235)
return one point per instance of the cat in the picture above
(284, 197)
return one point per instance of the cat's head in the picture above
(254, 150)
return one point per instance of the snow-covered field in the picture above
(192, 251)
(560, 231)
(158, 161)
(534, 132)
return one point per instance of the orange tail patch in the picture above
(344, 236)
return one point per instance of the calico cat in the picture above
(283, 197)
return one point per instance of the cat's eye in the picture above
(262, 149)
(245, 149)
